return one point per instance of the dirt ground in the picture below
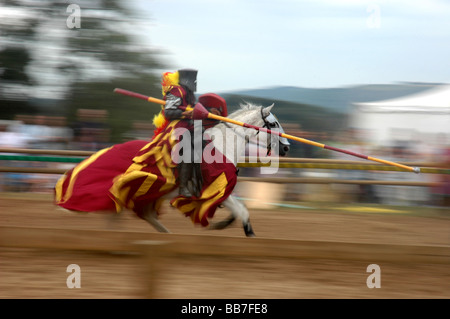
(42, 273)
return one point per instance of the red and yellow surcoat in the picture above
(138, 174)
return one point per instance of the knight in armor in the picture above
(178, 91)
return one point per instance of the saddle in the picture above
(190, 173)
(214, 104)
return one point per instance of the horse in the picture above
(226, 139)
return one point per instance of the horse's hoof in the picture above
(249, 230)
(252, 234)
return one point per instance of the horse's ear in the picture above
(266, 110)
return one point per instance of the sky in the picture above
(250, 44)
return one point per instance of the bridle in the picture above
(268, 125)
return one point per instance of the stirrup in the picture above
(184, 191)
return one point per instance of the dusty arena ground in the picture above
(42, 273)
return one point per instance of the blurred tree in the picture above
(15, 57)
(14, 82)
(49, 63)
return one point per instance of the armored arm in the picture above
(171, 110)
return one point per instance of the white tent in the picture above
(421, 117)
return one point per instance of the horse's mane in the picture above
(243, 108)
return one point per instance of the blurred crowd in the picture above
(418, 153)
(90, 132)
(419, 189)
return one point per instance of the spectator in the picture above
(60, 135)
(90, 130)
(10, 138)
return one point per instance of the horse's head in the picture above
(257, 116)
(271, 122)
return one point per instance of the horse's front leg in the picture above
(151, 217)
(238, 210)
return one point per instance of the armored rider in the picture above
(178, 91)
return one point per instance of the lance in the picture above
(200, 113)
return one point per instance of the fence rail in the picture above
(247, 160)
(277, 180)
(71, 156)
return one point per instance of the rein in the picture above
(266, 125)
(246, 138)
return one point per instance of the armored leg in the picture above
(184, 175)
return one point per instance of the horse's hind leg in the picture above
(238, 210)
(152, 218)
(113, 220)
(223, 223)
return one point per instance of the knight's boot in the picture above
(184, 175)
(197, 179)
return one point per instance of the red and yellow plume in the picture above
(168, 81)
(160, 122)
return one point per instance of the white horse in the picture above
(232, 140)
